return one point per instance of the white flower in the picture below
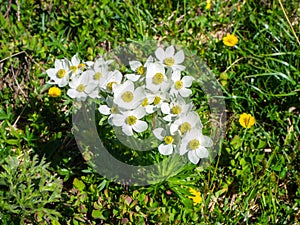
(165, 148)
(60, 75)
(156, 78)
(153, 101)
(130, 120)
(112, 78)
(185, 123)
(175, 108)
(139, 69)
(109, 109)
(126, 97)
(98, 75)
(100, 62)
(75, 66)
(180, 86)
(169, 58)
(81, 88)
(194, 144)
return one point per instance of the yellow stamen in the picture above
(168, 140)
(178, 84)
(140, 70)
(194, 144)
(158, 78)
(156, 100)
(61, 73)
(80, 88)
(131, 120)
(169, 61)
(176, 109)
(185, 127)
(97, 76)
(127, 96)
(145, 102)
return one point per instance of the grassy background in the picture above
(255, 179)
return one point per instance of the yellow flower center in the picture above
(168, 140)
(178, 84)
(185, 127)
(156, 100)
(140, 70)
(169, 61)
(110, 84)
(131, 120)
(176, 109)
(80, 88)
(97, 76)
(194, 144)
(158, 78)
(127, 96)
(73, 68)
(61, 73)
(81, 65)
(145, 102)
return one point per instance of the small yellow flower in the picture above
(230, 40)
(54, 92)
(246, 120)
(208, 5)
(197, 199)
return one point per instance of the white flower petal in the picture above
(104, 109)
(127, 130)
(205, 141)
(173, 128)
(165, 149)
(187, 81)
(134, 65)
(132, 77)
(184, 92)
(202, 152)
(140, 126)
(165, 108)
(170, 51)
(118, 120)
(75, 60)
(176, 76)
(72, 93)
(159, 133)
(183, 147)
(139, 112)
(193, 157)
(179, 57)
(160, 54)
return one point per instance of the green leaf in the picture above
(79, 184)
(12, 141)
(236, 142)
(97, 214)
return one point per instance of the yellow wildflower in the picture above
(54, 92)
(230, 40)
(197, 199)
(246, 120)
(208, 5)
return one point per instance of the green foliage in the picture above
(28, 190)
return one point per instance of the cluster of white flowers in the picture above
(155, 87)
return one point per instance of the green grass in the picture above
(255, 178)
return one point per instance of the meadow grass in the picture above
(255, 177)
